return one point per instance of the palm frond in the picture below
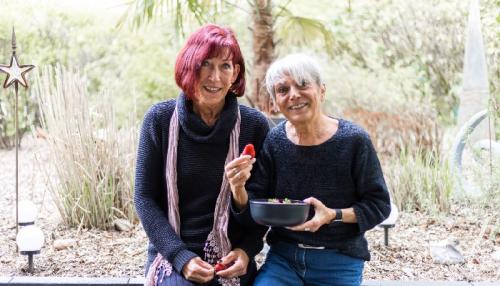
(295, 30)
(142, 12)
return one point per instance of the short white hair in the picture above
(300, 67)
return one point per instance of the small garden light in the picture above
(30, 237)
(30, 240)
(27, 213)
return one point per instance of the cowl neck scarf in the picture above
(217, 244)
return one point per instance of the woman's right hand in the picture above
(198, 271)
(238, 173)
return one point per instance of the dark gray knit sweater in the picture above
(342, 172)
(201, 155)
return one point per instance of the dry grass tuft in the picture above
(93, 159)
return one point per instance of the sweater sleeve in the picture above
(252, 243)
(373, 205)
(259, 186)
(148, 194)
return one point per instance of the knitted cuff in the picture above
(242, 216)
(182, 258)
(360, 218)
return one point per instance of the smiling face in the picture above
(216, 75)
(299, 102)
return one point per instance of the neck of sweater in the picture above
(196, 129)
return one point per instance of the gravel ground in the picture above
(122, 254)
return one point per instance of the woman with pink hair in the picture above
(182, 195)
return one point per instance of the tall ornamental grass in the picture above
(481, 174)
(92, 172)
(420, 181)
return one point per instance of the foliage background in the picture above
(396, 60)
(399, 51)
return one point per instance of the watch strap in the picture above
(338, 216)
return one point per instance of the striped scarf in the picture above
(217, 244)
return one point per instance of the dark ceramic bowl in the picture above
(273, 213)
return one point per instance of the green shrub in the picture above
(419, 182)
(27, 116)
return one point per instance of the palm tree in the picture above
(263, 51)
(299, 30)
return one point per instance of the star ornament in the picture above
(15, 72)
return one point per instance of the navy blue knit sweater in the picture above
(342, 172)
(201, 155)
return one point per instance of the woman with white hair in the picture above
(327, 162)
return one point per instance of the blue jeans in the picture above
(288, 264)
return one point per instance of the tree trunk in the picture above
(263, 51)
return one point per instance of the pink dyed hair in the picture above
(207, 42)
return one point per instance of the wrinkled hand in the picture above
(237, 260)
(198, 271)
(238, 172)
(322, 215)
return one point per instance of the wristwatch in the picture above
(338, 216)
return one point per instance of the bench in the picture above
(390, 222)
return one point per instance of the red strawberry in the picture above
(219, 267)
(249, 150)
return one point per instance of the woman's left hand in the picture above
(237, 260)
(322, 215)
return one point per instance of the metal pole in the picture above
(386, 236)
(30, 263)
(16, 137)
(17, 158)
(15, 74)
